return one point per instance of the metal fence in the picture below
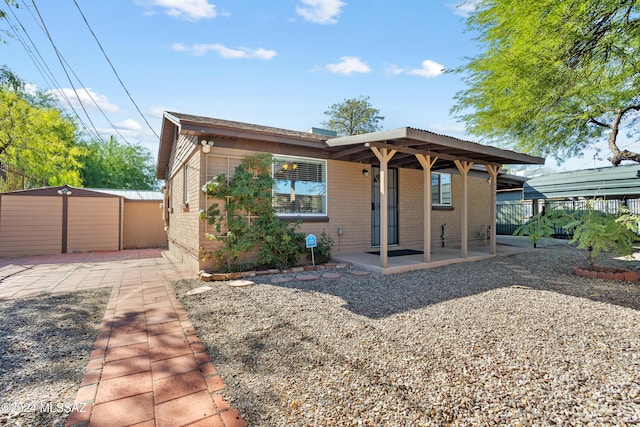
(511, 214)
(13, 178)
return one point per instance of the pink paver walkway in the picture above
(148, 367)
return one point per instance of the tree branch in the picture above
(599, 123)
(619, 156)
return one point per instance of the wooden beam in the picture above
(427, 163)
(464, 168)
(384, 155)
(493, 173)
(438, 154)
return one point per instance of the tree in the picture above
(3, 14)
(36, 140)
(556, 75)
(115, 165)
(353, 116)
(591, 230)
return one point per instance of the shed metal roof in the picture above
(610, 182)
(134, 195)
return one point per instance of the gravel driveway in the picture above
(482, 343)
(45, 342)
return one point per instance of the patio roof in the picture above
(406, 141)
(409, 141)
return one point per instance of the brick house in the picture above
(394, 188)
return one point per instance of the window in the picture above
(185, 185)
(301, 186)
(441, 189)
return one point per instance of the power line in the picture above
(41, 64)
(63, 67)
(114, 70)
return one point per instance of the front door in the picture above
(392, 192)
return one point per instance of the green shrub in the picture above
(592, 230)
(322, 252)
(247, 221)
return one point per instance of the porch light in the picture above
(365, 172)
(206, 146)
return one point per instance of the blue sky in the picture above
(276, 63)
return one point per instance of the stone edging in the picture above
(215, 277)
(609, 273)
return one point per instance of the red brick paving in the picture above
(148, 367)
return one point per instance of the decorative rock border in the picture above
(609, 273)
(220, 277)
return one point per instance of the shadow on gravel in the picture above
(378, 296)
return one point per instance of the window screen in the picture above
(300, 186)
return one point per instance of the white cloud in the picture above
(466, 8)
(348, 65)
(393, 70)
(448, 129)
(89, 99)
(320, 11)
(179, 47)
(429, 69)
(191, 10)
(156, 111)
(30, 88)
(225, 52)
(128, 125)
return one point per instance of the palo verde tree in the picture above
(353, 116)
(555, 75)
(36, 138)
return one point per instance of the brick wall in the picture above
(184, 228)
(348, 205)
(411, 210)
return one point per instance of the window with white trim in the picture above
(441, 189)
(300, 186)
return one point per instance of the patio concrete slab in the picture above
(148, 366)
(441, 256)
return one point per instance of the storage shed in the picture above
(66, 219)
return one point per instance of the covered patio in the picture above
(419, 149)
(506, 245)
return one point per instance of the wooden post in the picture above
(464, 167)
(493, 174)
(384, 155)
(427, 163)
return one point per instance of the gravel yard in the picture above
(45, 342)
(482, 343)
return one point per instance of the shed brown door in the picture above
(30, 225)
(93, 224)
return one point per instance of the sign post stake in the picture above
(311, 243)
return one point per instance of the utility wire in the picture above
(114, 70)
(96, 104)
(57, 86)
(59, 56)
(63, 67)
(40, 63)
